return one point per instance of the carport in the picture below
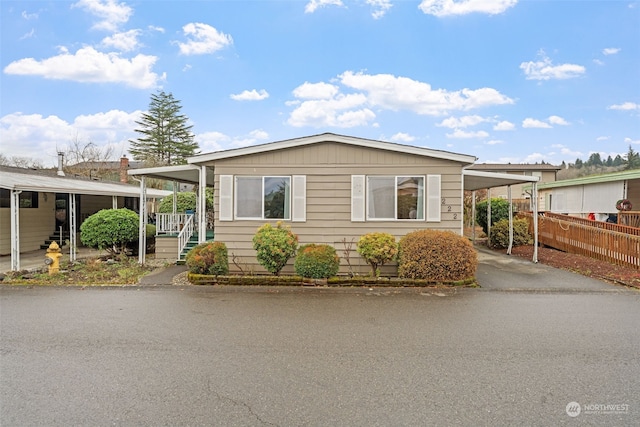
(17, 182)
(478, 180)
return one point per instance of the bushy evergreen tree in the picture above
(165, 136)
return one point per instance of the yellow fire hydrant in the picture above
(52, 258)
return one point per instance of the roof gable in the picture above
(331, 137)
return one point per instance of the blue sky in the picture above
(504, 80)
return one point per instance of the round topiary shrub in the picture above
(436, 255)
(274, 245)
(208, 258)
(500, 233)
(376, 249)
(110, 229)
(499, 210)
(317, 261)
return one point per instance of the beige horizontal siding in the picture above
(328, 168)
(36, 224)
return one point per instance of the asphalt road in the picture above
(517, 352)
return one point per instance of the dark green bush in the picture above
(317, 261)
(110, 229)
(274, 245)
(376, 249)
(436, 255)
(499, 210)
(185, 200)
(208, 258)
(500, 233)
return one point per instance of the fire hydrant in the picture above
(52, 258)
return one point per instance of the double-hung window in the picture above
(395, 197)
(263, 197)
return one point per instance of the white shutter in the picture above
(299, 198)
(225, 193)
(357, 198)
(433, 198)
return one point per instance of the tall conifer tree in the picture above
(165, 137)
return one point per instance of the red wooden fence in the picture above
(600, 240)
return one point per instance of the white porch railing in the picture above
(168, 223)
(185, 234)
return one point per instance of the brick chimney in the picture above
(124, 166)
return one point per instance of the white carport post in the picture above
(15, 230)
(174, 204)
(488, 216)
(72, 227)
(473, 216)
(114, 202)
(142, 227)
(534, 205)
(202, 205)
(510, 220)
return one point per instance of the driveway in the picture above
(519, 350)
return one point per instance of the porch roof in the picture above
(180, 173)
(14, 180)
(479, 180)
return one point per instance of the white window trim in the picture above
(395, 199)
(260, 218)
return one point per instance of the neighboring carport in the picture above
(479, 180)
(17, 182)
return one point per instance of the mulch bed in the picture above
(586, 266)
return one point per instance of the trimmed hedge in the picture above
(376, 249)
(208, 258)
(500, 233)
(436, 255)
(274, 246)
(110, 229)
(317, 261)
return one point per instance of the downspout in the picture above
(72, 227)
(510, 221)
(202, 205)
(488, 216)
(473, 216)
(534, 200)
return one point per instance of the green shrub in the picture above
(436, 255)
(500, 233)
(275, 245)
(208, 258)
(110, 229)
(499, 210)
(376, 249)
(317, 261)
(185, 200)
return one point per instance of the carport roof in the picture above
(479, 180)
(30, 181)
(180, 173)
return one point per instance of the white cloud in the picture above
(462, 7)
(460, 134)
(111, 13)
(313, 5)
(29, 16)
(29, 34)
(124, 42)
(203, 39)
(631, 141)
(556, 120)
(627, 106)
(250, 95)
(154, 28)
(461, 122)
(611, 50)
(90, 66)
(380, 7)
(343, 111)
(544, 69)
(38, 137)
(402, 93)
(211, 141)
(533, 158)
(324, 104)
(504, 125)
(402, 137)
(494, 142)
(533, 123)
(315, 91)
(603, 138)
(598, 62)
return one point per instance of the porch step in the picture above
(55, 237)
(193, 242)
